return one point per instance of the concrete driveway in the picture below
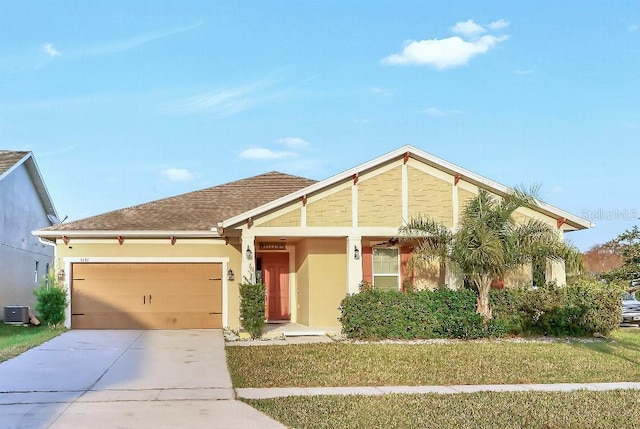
(124, 379)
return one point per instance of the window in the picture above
(386, 273)
(46, 275)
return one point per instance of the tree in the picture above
(628, 244)
(488, 243)
(602, 258)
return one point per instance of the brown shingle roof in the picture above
(9, 158)
(195, 211)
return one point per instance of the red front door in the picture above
(275, 272)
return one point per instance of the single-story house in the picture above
(177, 262)
(25, 205)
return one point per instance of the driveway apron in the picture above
(124, 379)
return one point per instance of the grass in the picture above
(347, 364)
(580, 409)
(15, 340)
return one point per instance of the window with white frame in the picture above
(386, 268)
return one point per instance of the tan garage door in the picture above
(146, 296)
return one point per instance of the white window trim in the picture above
(398, 274)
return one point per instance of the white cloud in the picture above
(557, 189)
(468, 28)
(221, 103)
(633, 28)
(382, 91)
(293, 142)
(177, 174)
(450, 52)
(435, 112)
(262, 153)
(138, 40)
(499, 24)
(48, 49)
(443, 53)
(523, 72)
(59, 151)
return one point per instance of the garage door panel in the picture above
(146, 296)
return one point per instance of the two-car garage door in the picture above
(146, 295)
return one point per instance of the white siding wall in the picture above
(21, 211)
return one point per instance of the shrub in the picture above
(443, 313)
(51, 301)
(252, 302)
(582, 307)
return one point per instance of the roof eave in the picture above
(41, 187)
(123, 233)
(30, 164)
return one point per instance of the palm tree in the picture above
(488, 244)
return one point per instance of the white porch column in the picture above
(556, 272)
(453, 278)
(248, 250)
(354, 263)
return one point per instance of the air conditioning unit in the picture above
(16, 314)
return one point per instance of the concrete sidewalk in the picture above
(278, 392)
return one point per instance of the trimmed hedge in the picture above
(443, 313)
(252, 301)
(582, 308)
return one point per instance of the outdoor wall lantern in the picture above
(230, 276)
(61, 276)
(249, 253)
(356, 253)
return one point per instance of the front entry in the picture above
(275, 275)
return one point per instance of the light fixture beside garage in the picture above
(230, 276)
(356, 253)
(249, 253)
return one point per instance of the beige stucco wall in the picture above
(464, 196)
(380, 199)
(302, 282)
(154, 248)
(429, 277)
(429, 196)
(519, 277)
(291, 218)
(332, 210)
(523, 215)
(321, 281)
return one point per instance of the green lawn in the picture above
(582, 409)
(346, 364)
(15, 340)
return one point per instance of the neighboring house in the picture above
(177, 262)
(25, 205)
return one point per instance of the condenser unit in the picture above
(16, 314)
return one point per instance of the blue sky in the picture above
(125, 102)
